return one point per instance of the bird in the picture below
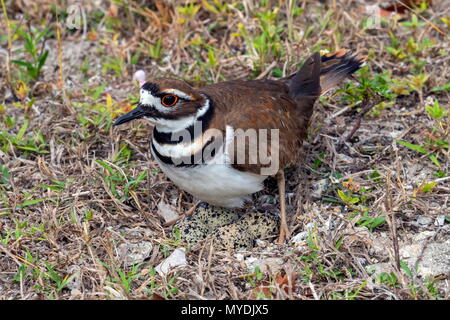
(204, 137)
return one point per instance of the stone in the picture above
(345, 158)
(176, 259)
(300, 237)
(377, 268)
(440, 220)
(167, 211)
(134, 253)
(424, 220)
(434, 259)
(74, 284)
(265, 264)
(318, 188)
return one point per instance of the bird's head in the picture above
(170, 104)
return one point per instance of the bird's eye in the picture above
(169, 100)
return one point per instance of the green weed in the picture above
(37, 56)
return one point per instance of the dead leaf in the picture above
(402, 6)
(264, 288)
(156, 297)
(283, 282)
(113, 10)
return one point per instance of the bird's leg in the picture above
(284, 230)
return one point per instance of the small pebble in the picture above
(423, 220)
(176, 259)
(440, 220)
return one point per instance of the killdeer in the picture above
(198, 131)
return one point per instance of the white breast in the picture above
(216, 182)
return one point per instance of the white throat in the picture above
(174, 125)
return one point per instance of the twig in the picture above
(66, 101)
(422, 17)
(8, 56)
(268, 69)
(393, 224)
(361, 114)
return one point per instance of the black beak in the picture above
(136, 113)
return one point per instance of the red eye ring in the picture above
(169, 100)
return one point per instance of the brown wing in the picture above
(259, 104)
(286, 105)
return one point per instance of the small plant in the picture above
(34, 143)
(417, 83)
(445, 87)
(347, 198)
(168, 287)
(4, 175)
(435, 140)
(414, 23)
(116, 64)
(188, 11)
(121, 186)
(389, 279)
(369, 222)
(265, 45)
(56, 283)
(155, 50)
(436, 111)
(361, 210)
(427, 187)
(419, 149)
(126, 278)
(32, 69)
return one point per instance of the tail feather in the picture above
(337, 66)
(306, 82)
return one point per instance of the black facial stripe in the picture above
(153, 88)
(156, 114)
(166, 137)
(192, 161)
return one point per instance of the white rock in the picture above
(440, 220)
(167, 211)
(300, 237)
(377, 268)
(274, 264)
(239, 256)
(423, 220)
(74, 284)
(434, 260)
(423, 236)
(114, 294)
(176, 259)
(309, 226)
(345, 158)
(329, 225)
(319, 187)
(133, 253)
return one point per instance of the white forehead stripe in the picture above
(179, 93)
(148, 99)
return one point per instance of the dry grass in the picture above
(67, 201)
